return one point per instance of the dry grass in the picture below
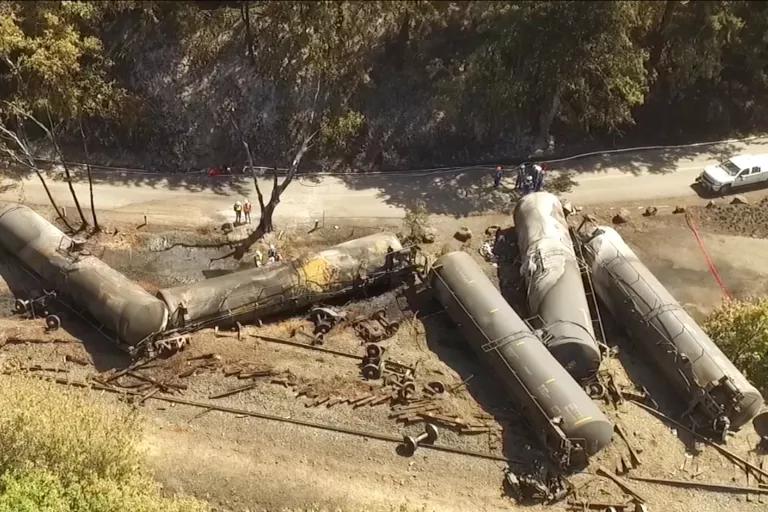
(61, 451)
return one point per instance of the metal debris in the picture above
(734, 458)
(536, 486)
(634, 458)
(429, 436)
(621, 483)
(234, 391)
(294, 421)
(713, 486)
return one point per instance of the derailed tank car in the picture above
(125, 310)
(717, 394)
(287, 286)
(566, 420)
(555, 290)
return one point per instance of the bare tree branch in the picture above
(56, 147)
(29, 162)
(90, 177)
(305, 146)
(259, 195)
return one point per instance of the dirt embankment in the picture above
(738, 219)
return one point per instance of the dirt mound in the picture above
(738, 219)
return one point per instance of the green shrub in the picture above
(62, 451)
(740, 328)
(416, 222)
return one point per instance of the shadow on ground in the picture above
(103, 351)
(443, 338)
(471, 191)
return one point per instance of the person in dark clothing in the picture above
(497, 177)
(538, 178)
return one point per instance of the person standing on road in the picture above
(238, 212)
(497, 176)
(538, 177)
(522, 172)
(247, 207)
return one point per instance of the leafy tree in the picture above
(321, 53)
(548, 59)
(52, 68)
(740, 328)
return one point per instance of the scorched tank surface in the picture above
(555, 290)
(283, 286)
(125, 309)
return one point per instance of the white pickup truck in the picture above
(736, 172)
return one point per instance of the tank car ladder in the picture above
(589, 291)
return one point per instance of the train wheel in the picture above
(52, 322)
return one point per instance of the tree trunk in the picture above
(265, 222)
(267, 211)
(246, 15)
(547, 117)
(56, 208)
(659, 41)
(90, 178)
(57, 148)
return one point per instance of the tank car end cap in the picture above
(760, 422)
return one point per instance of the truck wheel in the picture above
(725, 190)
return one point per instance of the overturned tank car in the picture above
(717, 395)
(555, 290)
(121, 309)
(287, 286)
(566, 420)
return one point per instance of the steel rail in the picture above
(282, 419)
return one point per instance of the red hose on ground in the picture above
(711, 264)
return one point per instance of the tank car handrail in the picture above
(653, 313)
(506, 340)
(496, 349)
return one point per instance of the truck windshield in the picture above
(730, 167)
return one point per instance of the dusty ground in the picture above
(242, 463)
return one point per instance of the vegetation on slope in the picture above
(740, 328)
(62, 452)
(384, 83)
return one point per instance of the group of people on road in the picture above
(530, 178)
(243, 210)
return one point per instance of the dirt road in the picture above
(634, 176)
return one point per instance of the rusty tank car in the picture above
(555, 290)
(287, 286)
(122, 310)
(563, 416)
(717, 396)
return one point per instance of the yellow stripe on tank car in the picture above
(550, 381)
(318, 274)
(582, 420)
